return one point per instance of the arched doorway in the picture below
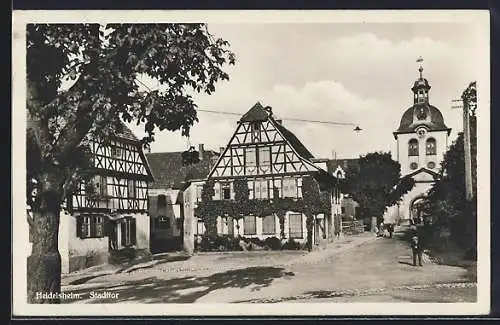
(417, 211)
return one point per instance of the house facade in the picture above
(339, 168)
(422, 140)
(109, 213)
(273, 162)
(170, 195)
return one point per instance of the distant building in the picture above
(422, 140)
(166, 195)
(339, 168)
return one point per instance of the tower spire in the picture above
(420, 69)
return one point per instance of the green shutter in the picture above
(133, 240)
(123, 227)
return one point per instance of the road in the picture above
(371, 270)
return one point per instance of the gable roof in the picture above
(260, 114)
(127, 134)
(293, 140)
(255, 114)
(169, 171)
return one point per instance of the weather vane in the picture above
(420, 69)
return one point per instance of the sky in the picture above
(358, 73)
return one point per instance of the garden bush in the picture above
(273, 243)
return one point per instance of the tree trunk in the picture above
(44, 263)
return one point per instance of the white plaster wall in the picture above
(142, 230)
(422, 159)
(63, 240)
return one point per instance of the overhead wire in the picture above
(281, 118)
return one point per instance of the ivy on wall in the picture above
(313, 202)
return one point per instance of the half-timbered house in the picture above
(108, 213)
(274, 162)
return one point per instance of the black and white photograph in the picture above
(265, 163)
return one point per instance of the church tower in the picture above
(422, 140)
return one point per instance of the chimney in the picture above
(221, 150)
(200, 151)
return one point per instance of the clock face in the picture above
(421, 132)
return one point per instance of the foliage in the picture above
(446, 201)
(376, 184)
(313, 202)
(82, 84)
(103, 63)
(230, 243)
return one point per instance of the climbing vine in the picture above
(313, 202)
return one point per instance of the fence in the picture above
(353, 227)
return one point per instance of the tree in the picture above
(376, 184)
(446, 200)
(104, 63)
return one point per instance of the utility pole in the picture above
(469, 108)
(469, 105)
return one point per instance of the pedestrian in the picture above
(390, 228)
(417, 249)
(381, 229)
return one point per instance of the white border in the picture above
(477, 19)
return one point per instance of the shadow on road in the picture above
(187, 289)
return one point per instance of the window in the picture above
(289, 187)
(163, 222)
(226, 192)
(199, 188)
(413, 147)
(269, 225)
(255, 128)
(342, 210)
(261, 189)
(264, 157)
(90, 226)
(217, 190)
(200, 227)
(295, 225)
(128, 228)
(162, 201)
(116, 152)
(250, 225)
(431, 165)
(97, 186)
(413, 165)
(251, 192)
(430, 147)
(230, 225)
(250, 157)
(131, 188)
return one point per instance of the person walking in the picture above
(417, 249)
(390, 228)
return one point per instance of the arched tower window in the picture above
(430, 146)
(413, 147)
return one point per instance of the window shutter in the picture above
(79, 225)
(133, 232)
(93, 226)
(99, 226)
(123, 226)
(104, 186)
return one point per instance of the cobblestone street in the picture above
(356, 269)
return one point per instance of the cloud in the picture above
(361, 77)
